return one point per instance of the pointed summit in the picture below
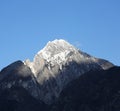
(60, 52)
(55, 47)
(59, 42)
(57, 52)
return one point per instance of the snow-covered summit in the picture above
(56, 51)
(59, 42)
(57, 64)
(56, 46)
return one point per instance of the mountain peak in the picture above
(59, 52)
(56, 51)
(57, 46)
(58, 63)
(59, 42)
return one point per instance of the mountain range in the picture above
(60, 78)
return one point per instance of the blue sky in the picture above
(27, 25)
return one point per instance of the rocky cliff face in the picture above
(56, 65)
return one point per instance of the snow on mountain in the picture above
(57, 64)
(59, 52)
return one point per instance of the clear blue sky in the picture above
(27, 25)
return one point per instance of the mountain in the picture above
(42, 80)
(93, 91)
(57, 64)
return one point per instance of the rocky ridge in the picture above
(52, 68)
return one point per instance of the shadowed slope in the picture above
(93, 91)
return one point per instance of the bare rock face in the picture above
(57, 64)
